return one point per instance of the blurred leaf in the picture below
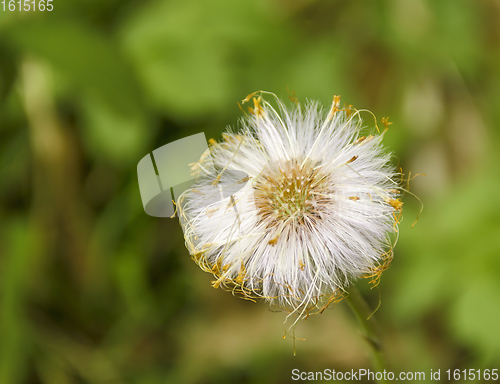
(317, 71)
(457, 26)
(113, 104)
(182, 51)
(120, 136)
(84, 56)
(8, 71)
(454, 255)
(475, 315)
(14, 165)
(15, 269)
(131, 277)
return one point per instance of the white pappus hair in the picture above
(293, 206)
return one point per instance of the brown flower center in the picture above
(290, 191)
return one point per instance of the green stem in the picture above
(369, 328)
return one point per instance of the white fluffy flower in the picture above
(293, 206)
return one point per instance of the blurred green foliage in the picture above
(92, 290)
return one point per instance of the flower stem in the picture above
(369, 328)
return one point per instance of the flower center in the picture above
(290, 191)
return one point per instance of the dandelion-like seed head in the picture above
(294, 206)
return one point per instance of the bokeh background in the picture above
(92, 290)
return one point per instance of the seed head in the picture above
(315, 211)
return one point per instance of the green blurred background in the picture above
(92, 290)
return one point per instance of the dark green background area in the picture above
(92, 290)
